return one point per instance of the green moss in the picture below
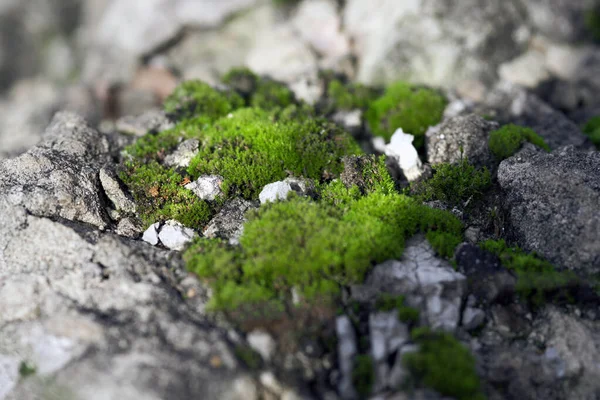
(454, 184)
(507, 140)
(592, 22)
(349, 96)
(404, 106)
(250, 149)
(389, 302)
(592, 130)
(444, 364)
(538, 280)
(444, 243)
(242, 80)
(311, 247)
(363, 375)
(26, 369)
(198, 99)
(160, 196)
(249, 357)
(259, 92)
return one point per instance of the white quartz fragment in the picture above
(404, 153)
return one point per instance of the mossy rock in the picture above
(592, 130)
(198, 99)
(414, 109)
(507, 140)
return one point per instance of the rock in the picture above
(511, 104)
(130, 228)
(436, 42)
(487, 279)
(404, 153)
(228, 223)
(561, 20)
(183, 154)
(173, 235)
(115, 191)
(262, 343)
(207, 187)
(427, 282)
(552, 205)
(472, 317)
(150, 121)
(398, 373)
(527, 70)
(461, 137)
(347, 350)
(280, 190)
(151, 234)
(59, 177)
(350, 120)
(387, 335)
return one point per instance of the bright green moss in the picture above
(592, 130)
(363, 375)
(160, 196)
(592, 22)
(349, 96)
(454, 184)
(444, 243)
(407, 107)
(250, 149)
(198, 99)
(26, 369)
(444, 364)
(507, 140)
(259, 92)
(537, 278)
(311, 247)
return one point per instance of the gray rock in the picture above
(150, 121)
(59, 177)
(115, 191)
(279, 190)
(387, 335)
(130, 228)
(183, 154)
(469, 133)
(511, 104)
(262, 342)
(151, 234)
(552, 205)
(398, 373)
(228, 223)
(561, 20)
(173, 235)
(347, 350)
(428, 283)
(207, 187)
(472, 318)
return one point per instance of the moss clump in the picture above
(259, 92)
(389, 302)
(404, 106)
(592, 130)
(592, 23)
(311, 247)
(444, 364)
(251, 148)
(349, 96)
(249, 357)
(538, 280)
(198, 99)
(160, 195)
(454, 184)
(363, 375)
(26, 369)
(507, 140)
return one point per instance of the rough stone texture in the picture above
(347, 350)
(129, 227)
(469, 133)
(183, 154)
(115, 191)
(206, 187)
(280, 190)
(173, 235)
(151, 234)
(552, 204)
(60, 176)
(435, 42)
(511, 104)
(150, 121)
(228, 223)
(561, 20)
(428, 283)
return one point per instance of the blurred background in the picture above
(108, 58)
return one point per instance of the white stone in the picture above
(206, 187)
(275, 191)
(173, 235)
(472, 318)
(262, 342)
(151, 234)
(347, 349)
(402, 150)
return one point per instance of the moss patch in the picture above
(349, 96)
(444, 364)
(592, 23)
(404, 106)
(507, 140)
(259, 92)
(363, 375)
(592, 130)
(538, 280)
(454, 184)
(26, 369)
(389, 302)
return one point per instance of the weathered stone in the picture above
(183, 154)
(206, 187)
(115, 191)
(150, 121)
(173, 235)
(347, 349)
(552, 205)
(228, 223)
(402, 151)
(130, 228)
(280, 190)
(262, 342)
